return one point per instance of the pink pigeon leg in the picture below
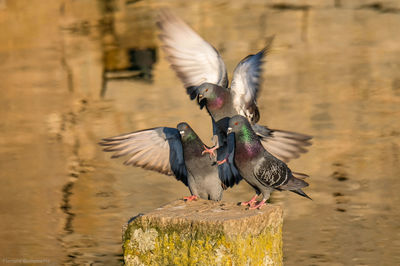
(250, 202)
(222, 162)
(210, 151)
(259, 205)
(190, 198)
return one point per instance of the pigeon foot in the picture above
(191, 198)
(209, 151)
(250, 202)
(259, 205)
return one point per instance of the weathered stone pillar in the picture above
(205, 233)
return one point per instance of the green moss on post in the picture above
(205, 233)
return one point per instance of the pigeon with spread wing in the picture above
(171, 151)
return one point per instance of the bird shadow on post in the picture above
(204, 233)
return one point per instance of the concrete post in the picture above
(205, 233)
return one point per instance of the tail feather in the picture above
(294, 183)
(284, 145)
(301, 193)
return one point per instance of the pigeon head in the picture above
(237, 123)
(186, 132)
(207, 91)
(210, 94)
(241, 127)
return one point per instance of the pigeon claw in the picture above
(191, 198)
(259, 205)
(209, 151)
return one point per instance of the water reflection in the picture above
(334, 74)
(128, 64)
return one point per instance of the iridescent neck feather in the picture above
(217, 99)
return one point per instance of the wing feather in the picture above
(284, 145)
(194, 60)
(158, 149)
(271, 172)
(246, 82)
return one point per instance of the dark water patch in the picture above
(130, 2)
(107, 6)
(396, 87)
(108, 207)
(79, 28)
(337, 164)
(67, 68)
(128, 64)
(66, 207)
(318, 257)
(287, 7)
(131, 59)
(340, 176)
(104, 194)
(380, 7)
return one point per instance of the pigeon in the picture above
(201, 69)
(171, 151)
(261, 170)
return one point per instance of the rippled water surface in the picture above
(73, 72)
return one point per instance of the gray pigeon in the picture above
(257, 166)
(171, 151)
(203, 73)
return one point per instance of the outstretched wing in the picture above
(194, 60)
(284, 145)
(158, 149)
(246, 82)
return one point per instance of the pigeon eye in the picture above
(236, 123)
(206, 90)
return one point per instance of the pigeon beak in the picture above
(200, 97)
(229, 130)
(201, 100)
(182, 132)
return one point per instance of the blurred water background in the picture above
(73, 72)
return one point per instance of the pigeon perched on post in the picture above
(201, 69)
(171, 151)
(256, 165)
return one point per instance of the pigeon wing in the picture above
(228, 172)
(246, 82)
(194, 60)
(158, 149)
(285, 145)
(271, 172)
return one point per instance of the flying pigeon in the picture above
(171, 151)
(257, 166)
(201, 69)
